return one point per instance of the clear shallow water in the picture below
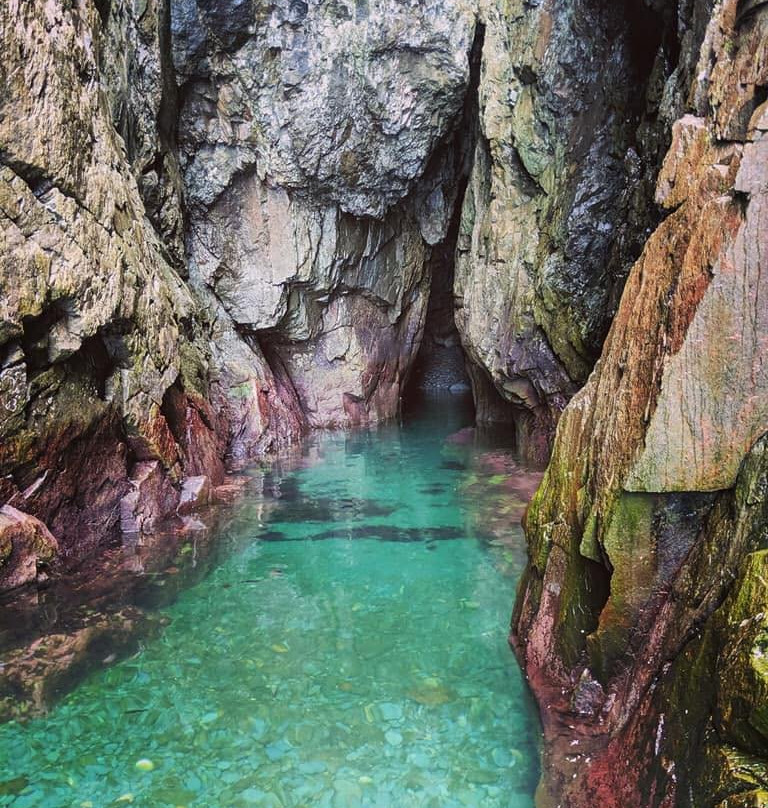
(351, 652)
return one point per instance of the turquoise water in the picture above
(351, 650)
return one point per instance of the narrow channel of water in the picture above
(351, 652)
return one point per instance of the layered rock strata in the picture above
(560, 197)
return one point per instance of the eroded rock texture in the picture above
(312, 138)
(104, 349)
(641, 616)
(222, 222)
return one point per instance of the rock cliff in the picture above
(224, 222)
(641, 619)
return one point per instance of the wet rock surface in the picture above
(230, 231)
(559, 198)
(26, 546)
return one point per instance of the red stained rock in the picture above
(35, 676)
(230, 491)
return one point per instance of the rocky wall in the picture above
(316, 143)
(560, 199)
(104, 349)
(648, 510)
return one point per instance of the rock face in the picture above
(26, 545)
(559, 197)
(310, 151)
(104, 349)
(642, 612)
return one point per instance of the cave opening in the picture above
(441, 364)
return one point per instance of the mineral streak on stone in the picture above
(641, 533)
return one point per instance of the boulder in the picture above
(26, 546)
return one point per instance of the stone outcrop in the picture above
(26, 546)
(643, 605)
(104, 349)
(560, 196)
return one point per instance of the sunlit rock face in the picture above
(642, 534)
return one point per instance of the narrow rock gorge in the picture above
(226, 223)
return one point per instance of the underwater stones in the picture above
(393, 737)
(347, 794)
(26, 547)
(390, 712)
(277, 750)
(431, 692)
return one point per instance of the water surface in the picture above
(350, 651)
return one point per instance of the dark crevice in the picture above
(651, 26)
(440, 362)
(168, 113)
(174, 409)
(103, 7)
(94, 361)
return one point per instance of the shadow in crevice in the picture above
(441, 362)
